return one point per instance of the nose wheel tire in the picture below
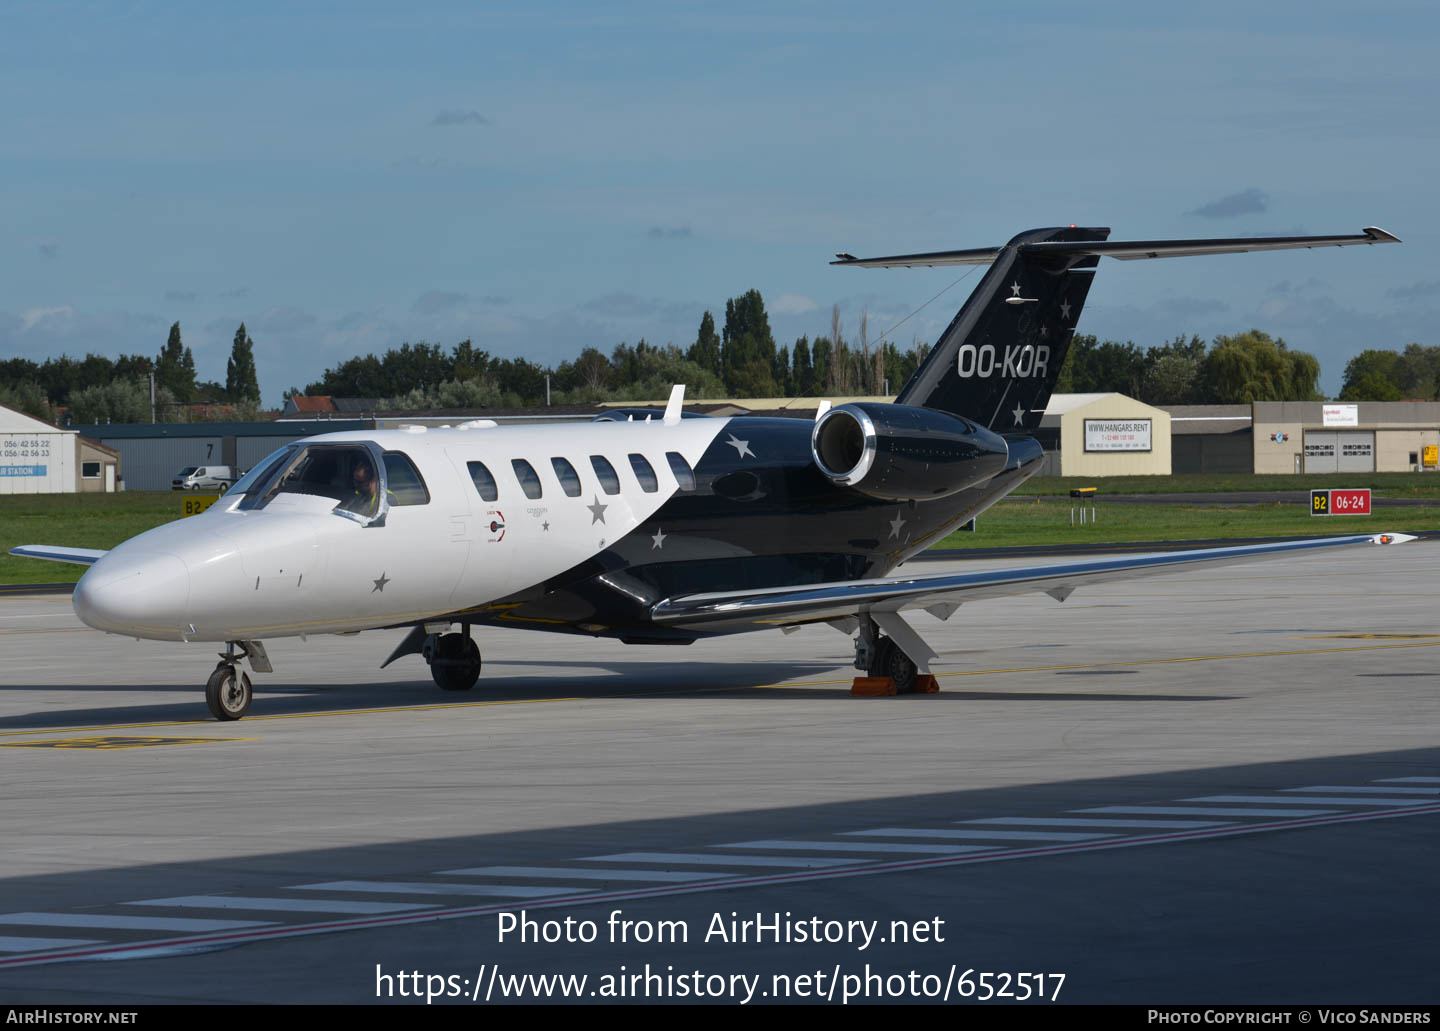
(455, 664)
(228, 693)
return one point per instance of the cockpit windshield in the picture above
(261, 471)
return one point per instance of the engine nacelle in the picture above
(897, 452)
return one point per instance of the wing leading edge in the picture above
(737, 610)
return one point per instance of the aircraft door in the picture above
(489, 529)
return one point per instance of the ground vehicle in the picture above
(204, 477)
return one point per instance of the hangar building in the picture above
(38, 458)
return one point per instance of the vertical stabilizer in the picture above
(998, 360)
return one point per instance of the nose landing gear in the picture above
(228, 692)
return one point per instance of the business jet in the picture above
(658, 529)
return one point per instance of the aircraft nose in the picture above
(143, 593)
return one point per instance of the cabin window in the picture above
(644, 473)
(484, 482)
(568, 477)
(684, 475)
(529, 480)
(605, 472)
(403, 480)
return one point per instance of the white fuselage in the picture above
(293, 566)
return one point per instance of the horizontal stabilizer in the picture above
(735, 610)
(1124, 250)
(54, 553)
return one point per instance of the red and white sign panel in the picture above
(1350, 502)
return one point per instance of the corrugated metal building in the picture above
(154, 453)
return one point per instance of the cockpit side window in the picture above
(345, 473)
(403, 480)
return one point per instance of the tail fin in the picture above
(998, 360)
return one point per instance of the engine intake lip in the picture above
(843, 444)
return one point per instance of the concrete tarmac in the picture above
(1220, 785)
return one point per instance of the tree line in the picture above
(98, 389)
(739, 359)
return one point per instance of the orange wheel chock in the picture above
(872, 687)
(925, 683)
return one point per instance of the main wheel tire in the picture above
(891, 662)
(455, 664)
(228, 693)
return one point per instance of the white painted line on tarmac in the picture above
(860, 868)
(127, 923)
(1092, 821)
(1371, 790)
(1305, 800)
(859, 846)
(33, 944)
(284, 905)
(561, 872)
(921, 832)
(503, 891)
(696, 859)
(1175, 810)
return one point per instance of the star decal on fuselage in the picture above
(895, 525)
(1065, 309)
(597, 511)
(1019, 414)
(742, 447)
(658, 540)
(380, 584)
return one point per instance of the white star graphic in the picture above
(597, 511)
(1044, 332)
(1019, 414)
(895, 525)
(1014, 289)
(742, 447)
(658, 540)
(1065, 309)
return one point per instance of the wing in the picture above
(54, 553)
(739, 610)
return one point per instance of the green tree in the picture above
(705, 352)
(1373, 375)
(1251, 366)
(747, 340)
(241, 383)
(175, 367)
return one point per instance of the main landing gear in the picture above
(454, 659)
(228, 692)
(899, 654)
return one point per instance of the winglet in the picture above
(675, 406)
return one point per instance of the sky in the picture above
(344, 178)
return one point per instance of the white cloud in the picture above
(793, 304)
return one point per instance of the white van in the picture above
(204, 477)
